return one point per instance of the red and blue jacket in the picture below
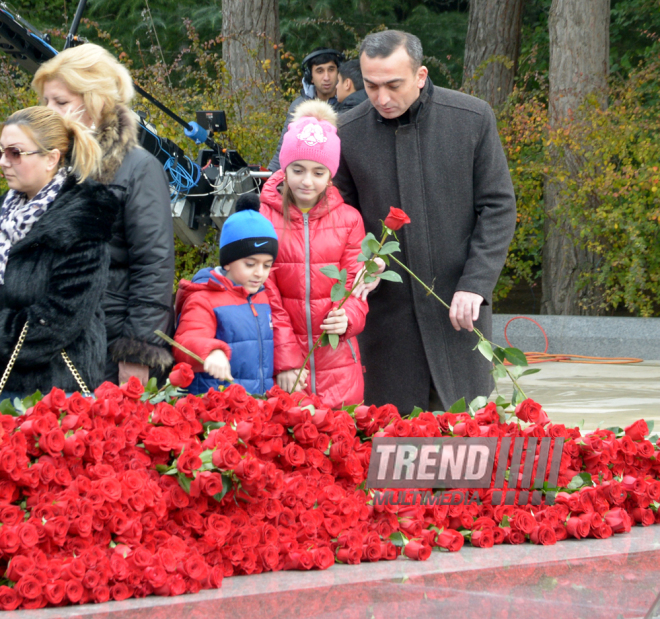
(213, 313)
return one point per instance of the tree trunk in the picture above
(579, 66)
(492, 47)
(251, 33)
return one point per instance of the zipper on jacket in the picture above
(350, 345)
(261, 352)
(308, 308)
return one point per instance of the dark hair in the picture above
(383, 44)
(322, 58)
(351, 70)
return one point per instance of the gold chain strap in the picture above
(76, 374)
(12, 360)
(17, 349)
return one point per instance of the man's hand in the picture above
(362, 290)
(126, 370)
(286, 380)
(218, 366)
(464, 309)
(335, 322)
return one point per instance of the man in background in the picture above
(320, 74)
(350, 87)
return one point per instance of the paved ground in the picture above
(586, 579)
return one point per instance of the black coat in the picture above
(55, 279)
(353, 100)
(139, 296)
(442, 162)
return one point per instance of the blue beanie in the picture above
(247, 232)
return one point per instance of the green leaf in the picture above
(580, 480)
(478, 403)
(498, 371)
(389, 248)
(368, 279)
(398, 538)
(371, 266)
(498, 353)
(7, 408)
(213, 425)
(184, 482)
(343, 276)
(531, 371)
(338, 292)
(324, 339)
(373, 245)
(333, 338)
(485, 349)
(458, 407)
(391, 276)
(416, 412)
(651, 425)
(226, 487)
(501, 401)
(365, 244)
(31, 400)
(330, 271)
(152, 386)
(515, 356)
(362, 258)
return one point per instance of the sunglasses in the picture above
(13, 153)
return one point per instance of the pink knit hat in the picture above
(312, 136)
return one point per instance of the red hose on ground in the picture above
(543, 357)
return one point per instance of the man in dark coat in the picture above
(436, 154)
(350, 87)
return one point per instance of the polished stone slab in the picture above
(472, 583)
(594, 395)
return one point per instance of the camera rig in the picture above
(203, 192)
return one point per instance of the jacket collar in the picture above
(416, 112)
(80, 212)
(116, 135)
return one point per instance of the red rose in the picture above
(323, 558)
(226, 457)
(55, 591)
(619, 520)
(577, 528)
(53, 442)
(484, 538)
(120, 591)
(181, 375)
(56, 399)
(531, 412)
(294, 454)
(29, 588)
(396, 219)
(544, 535)
(9, 598)
(523, 521)
(133, 388)
(638, 430)
(450, 539)
(417, 550)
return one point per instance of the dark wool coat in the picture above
(442, 162)
(55, 279)
(139, 296)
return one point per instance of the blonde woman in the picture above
(54, 256)
(89, 82)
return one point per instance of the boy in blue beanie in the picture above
(223, 313)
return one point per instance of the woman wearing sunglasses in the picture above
(89, 82)
(54, 255)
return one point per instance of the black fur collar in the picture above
(81, 212)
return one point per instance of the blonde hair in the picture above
(93, 73)
(316, 109)
(50, 131)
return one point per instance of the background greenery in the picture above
(174, 50)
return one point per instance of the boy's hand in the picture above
(217, 365)
(335, 322)
(286, 380)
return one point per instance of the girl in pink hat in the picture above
(316, 228)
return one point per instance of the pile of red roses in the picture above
(134, 493)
